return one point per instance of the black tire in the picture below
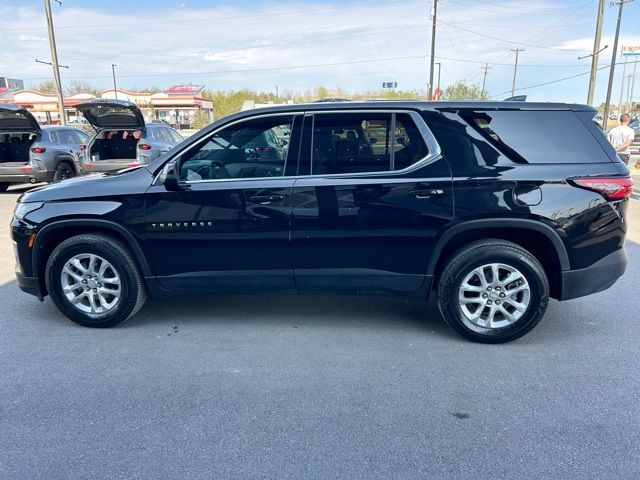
(478, 254)
(4, 186)
(132, 288)
(64, 171)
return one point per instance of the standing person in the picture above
(621, 138)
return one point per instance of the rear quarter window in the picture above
(555, 136)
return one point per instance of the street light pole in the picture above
(54, 61)
(434, 14)
(624, 75)
(113, 73)
(515, 70)
(596, 52)
(614, 54)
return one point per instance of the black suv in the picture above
(492, 208)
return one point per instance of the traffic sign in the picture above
(389, 84)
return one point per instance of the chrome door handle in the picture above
(265, 199)
(422, 194)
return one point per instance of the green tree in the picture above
(45, 86)
(199, 120)
(81, 86)
(462, 90)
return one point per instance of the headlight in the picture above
(22, 209)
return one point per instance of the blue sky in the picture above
(297, 45)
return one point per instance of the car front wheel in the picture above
(493, 291)
(94, 280)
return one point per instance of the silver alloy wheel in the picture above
(91, 284)
(493, 296)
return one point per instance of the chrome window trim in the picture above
(432, 146)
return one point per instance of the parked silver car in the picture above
(122, 138)
(30, 153)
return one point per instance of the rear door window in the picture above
(351, 143)
(553, 136)
(365, 142)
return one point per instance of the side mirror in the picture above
(283, 143)
(373, 140)
(171, 178)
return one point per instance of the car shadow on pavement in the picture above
(295, 310)
(351, 312)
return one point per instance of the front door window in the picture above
(252, 149)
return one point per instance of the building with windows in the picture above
(176, 105)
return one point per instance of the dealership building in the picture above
(177, 105)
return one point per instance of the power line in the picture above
(505, 40)
(265, 69)
(529, 87)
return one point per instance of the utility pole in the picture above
(624, 75)
(434, 14)
(515, 70)
(277, 94)
(439, 69)
(629, 82)
(596, 52)
(113, 73)
(486, 69)
(633, 84)
(54, 61)
(614, 55)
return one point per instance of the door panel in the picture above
(228, 226)
(375, 231)
(365, 234)
(221, 234)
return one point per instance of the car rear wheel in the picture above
(94, 281)
(4, 186)
(63, 172)
(493, 291)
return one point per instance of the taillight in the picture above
(38, 150)
(26, 168)
(611, 188)
(88, 165)
(144, 146)
(83, 148)
(133, 164)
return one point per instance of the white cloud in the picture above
(170, 41)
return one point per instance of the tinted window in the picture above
(172, 135)
(538, 136)
(409, 145)
(351, 143)
(250, 149)
(66, 137)
(364, 142)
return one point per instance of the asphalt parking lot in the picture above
(317, 387)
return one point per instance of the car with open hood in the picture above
(122, 137)
(30, 153)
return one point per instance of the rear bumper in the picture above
(595, 278)
(26, 177)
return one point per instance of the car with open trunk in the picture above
(31, 153)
